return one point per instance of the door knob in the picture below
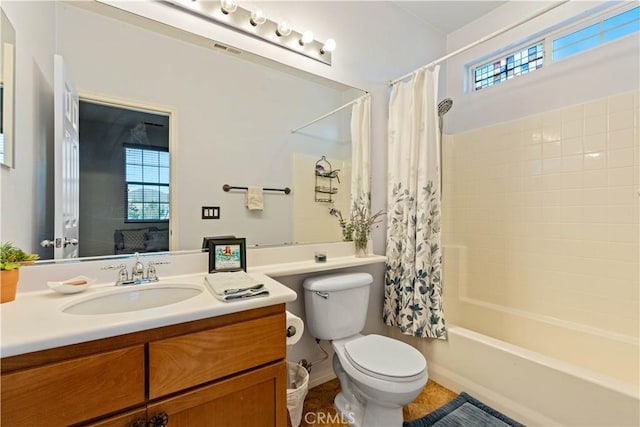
(73, 241)
(47, 243)
(58, 243)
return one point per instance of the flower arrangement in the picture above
(358, 229)
(347, 226)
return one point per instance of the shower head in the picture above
(444, 106)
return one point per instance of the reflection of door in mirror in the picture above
(7, 86)
(124, 180)
(66, 146)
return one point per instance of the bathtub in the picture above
(534, 389)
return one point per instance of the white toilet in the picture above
(378, 375)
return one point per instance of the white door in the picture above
(67, 163)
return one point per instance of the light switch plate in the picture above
(211, 212)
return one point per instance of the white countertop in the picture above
(35, 320)
(302, 267)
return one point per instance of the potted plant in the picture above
(11, 259)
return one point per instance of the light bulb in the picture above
(329, 46)
(307, 37)
(257, 17)
(283, 29)
(228, 6)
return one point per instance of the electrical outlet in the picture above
(211, 212)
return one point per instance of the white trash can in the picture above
(297, 387)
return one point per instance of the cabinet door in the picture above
(198, 358)
(254, 399)
(75, 390)
(126, 419)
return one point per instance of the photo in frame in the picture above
(227, 255)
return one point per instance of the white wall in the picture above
(25, 205)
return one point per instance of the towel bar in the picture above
(228, 187)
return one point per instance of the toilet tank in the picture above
(336, 305)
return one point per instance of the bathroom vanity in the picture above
(199, 361)
(223, 369)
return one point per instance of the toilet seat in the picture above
(385, 358)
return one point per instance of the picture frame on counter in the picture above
(227, 254)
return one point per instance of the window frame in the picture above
(503, 54)
(546, 37)
(143, 147)
(594, 18)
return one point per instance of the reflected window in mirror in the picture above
(147, 176)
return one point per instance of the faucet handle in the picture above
(152, 274)
(123, 276)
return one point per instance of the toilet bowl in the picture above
(378, 375)
(382, 375)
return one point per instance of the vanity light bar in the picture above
(255, 24)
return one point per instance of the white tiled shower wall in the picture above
(543, 214)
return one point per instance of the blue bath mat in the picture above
(464, 411)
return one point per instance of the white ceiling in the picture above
(448, 16)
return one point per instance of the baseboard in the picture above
(515, 410)
(321, 378)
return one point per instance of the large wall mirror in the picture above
(7, 88)
(221, 115)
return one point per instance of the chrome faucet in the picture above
(137, 272)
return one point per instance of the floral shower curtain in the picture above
(413, 287)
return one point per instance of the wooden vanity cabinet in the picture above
(251, 399)
(225, 371)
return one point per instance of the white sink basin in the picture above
(133, 298)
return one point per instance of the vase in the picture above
(347, 234)
(8, 285)
(361, 248)
(360, 242)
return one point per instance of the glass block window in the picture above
(606, 30)
(147, 184)
(514, 64)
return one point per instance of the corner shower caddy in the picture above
(325, 175)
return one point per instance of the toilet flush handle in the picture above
(324, 295)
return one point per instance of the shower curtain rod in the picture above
(477, 42)
(329, 113)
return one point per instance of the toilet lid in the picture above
(383, 356)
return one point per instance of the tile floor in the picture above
(319, 411)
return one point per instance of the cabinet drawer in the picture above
(123, 420)
(256, 398)
(185, 361)
(73, 391)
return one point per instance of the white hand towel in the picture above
(255, 199)
(233, 283)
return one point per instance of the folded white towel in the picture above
(233, 283)
(255, 199)
(243, 295)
